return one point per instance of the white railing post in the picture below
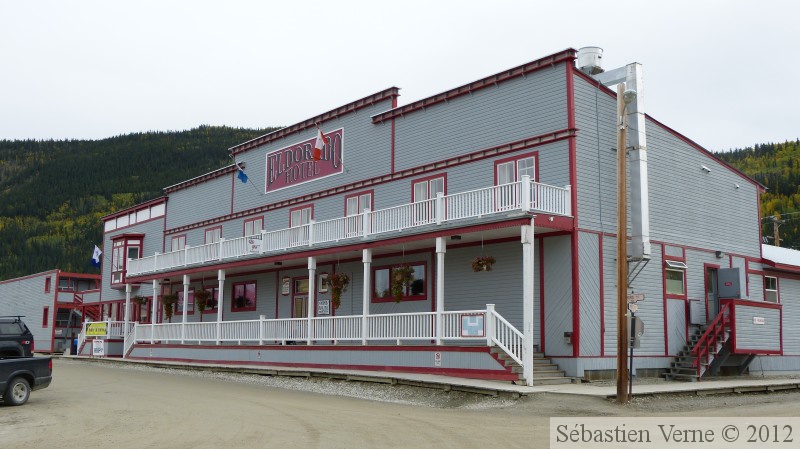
(312, 290)
(263, 240)
(185, 255)
(525, 190)
(155, 261)
(221, 241)
(568, 201)
(490, 329)
(439, 207)
(367, 260)
(261, 319)
(185, 314)
(310, 232)
(365, 222)
(154, 306)
(127, 318)
(220, 297)
(441, 248)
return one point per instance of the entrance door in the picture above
(712, 299)
(300, 306)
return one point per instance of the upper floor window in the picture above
(771, 289)
(356, 203)
(253, 226)
(512, 169)
(178, 243)
(47, 284)
(300, 216)
(124, 247)
(675, 277)
(425, 189)
(213, 235)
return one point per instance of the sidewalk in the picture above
(489, 387)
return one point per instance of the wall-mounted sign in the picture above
(99, 348)
(324, 307)
(472, 325)
(254, 245)
(437, 359)
(324, 283)
(759, 320)
(286, 285)
(96, 330)
(294, 164)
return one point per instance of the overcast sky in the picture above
(724, 73)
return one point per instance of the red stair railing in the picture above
(713, 335)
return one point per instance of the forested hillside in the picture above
(53, 193)
(777, 166)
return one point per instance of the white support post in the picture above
(439, 207)
(311, 232)
(441, 249)
(568, 205)
(127, 317)
(221, 241)
(154, 307)
(527, 301)
(490, 325)
(365, 222)
(155, 261)
(186, 281)
(367, 260)
(221, 296)
(185, 255)
(312, 290)
(261, 319)
(525, 193)
(263, 241)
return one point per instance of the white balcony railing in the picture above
(524, 196)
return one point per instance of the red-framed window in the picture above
(124, 247)
(189, 302)
(47, 284)
(424, 189)
(141, 312)
(243, 296)
(512, 169)
(674, 272)
(253, 226)
(771, 291)
(212, 235)
(301, 215)
(417, 290)
(45, 316)
(212, 305)
(178, 242)
(355, 203)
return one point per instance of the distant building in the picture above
(54, 305)
(519, 166)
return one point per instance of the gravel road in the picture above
(93, 405)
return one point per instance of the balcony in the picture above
(521, 196)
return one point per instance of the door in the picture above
(712, 299)
(300, 306)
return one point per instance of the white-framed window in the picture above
(423, 190)
(212, 235)
(123, 248)
(675, 276)
(300, 216)
(771, 289)
(355, 204)
(253, 226)
(178, 243)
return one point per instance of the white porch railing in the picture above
(523, 195)
(104, 330)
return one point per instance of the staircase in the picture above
(545, 372)
(705, 351)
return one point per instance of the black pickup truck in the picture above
(15, 337)
(21, 375)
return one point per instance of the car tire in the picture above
(17, 392)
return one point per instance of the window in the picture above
(189, 302)
(771, 289)
(45, 315)
(253, 226)
(674, 275)
(178, 243)
(353, 206)
(508, 171)
(414, 291)
(423, 190)
(144, 310)
(47, 284)
(124, 247)
(244, 297)
(213, 300)
(300, 216)
(213, 235)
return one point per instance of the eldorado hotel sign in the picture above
(294, 165)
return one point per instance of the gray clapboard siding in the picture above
(753, 336)
(557, 294)
(676, 322)
(519, 108)
(26, 296)
(200, 201)
(589, 277)
(790, 301)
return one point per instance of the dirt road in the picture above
(91, 405)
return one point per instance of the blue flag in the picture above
(242, 177)
(96, 256)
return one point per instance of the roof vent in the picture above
(590, 60)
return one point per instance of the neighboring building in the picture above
(519, 166)
(53, 304)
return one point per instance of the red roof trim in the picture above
(529, 142)
(388, 94)
(161, 199)
(203, 178)
(493, 80)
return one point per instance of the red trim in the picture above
(47, 281)
(777, 287)
(233, 296)
(371, 193)
(213, 228)
(388, 94)
(602, 298)
(135, 208)
(295, 293)
(759, 304)
(45, 315)
(544, 139)
(304, 206)
(541, 294)
(125, 246)
(218, 173)
(664, 300)
(424, 297)
(567, 55)
(706, 266)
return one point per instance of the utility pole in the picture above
(622, 250)
(775, 229)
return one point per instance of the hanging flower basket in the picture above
(140, 300)
(402, 277)
(201, 301)
(169, 302)
(483, 263)
(339, 283)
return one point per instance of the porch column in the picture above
(527, 301)
(441, 248)
(127, 317)
(220, 302)
(312, 291)
(186, 281)
(367, 259)
(153, 307)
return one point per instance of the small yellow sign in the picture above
(96, 330)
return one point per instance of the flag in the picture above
(242, 176)
(96, 256)
(319, 143)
